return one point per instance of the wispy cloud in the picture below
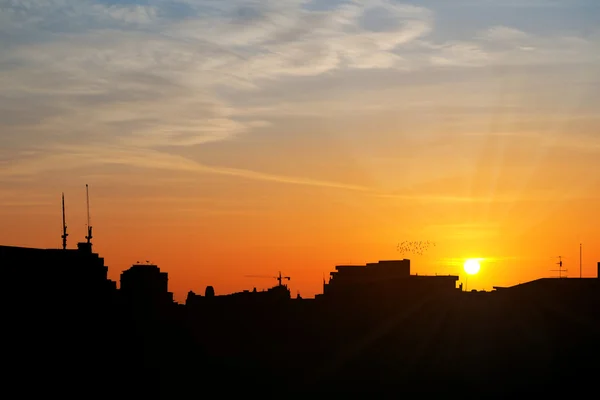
(80, 157)
(152, 75)
(465, 230)
(140, 75)
(445, 198)
(73, 157)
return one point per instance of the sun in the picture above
(472, 266)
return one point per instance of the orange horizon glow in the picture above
(197, 252)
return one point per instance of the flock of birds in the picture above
(414, 247)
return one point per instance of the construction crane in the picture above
(64, 227)
(279, 277)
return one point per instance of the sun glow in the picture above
(472, 266)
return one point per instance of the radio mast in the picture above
(65, 234)
(89, 226)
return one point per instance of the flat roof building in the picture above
(387, 278)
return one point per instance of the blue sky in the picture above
(98, 83)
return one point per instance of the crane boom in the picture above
(279, 277)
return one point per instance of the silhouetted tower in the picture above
(64, 234)
(209, 291)
(89, 226)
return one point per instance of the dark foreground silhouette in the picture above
(376, 330)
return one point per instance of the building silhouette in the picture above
(388, 278)
(279, 294)
(375, 329)
(146, 285)
(46, 275)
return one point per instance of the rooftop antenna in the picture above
(65, 234)
(559, 270)
(89, 226)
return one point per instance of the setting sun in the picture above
(472, 266)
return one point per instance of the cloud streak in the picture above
(80, 157)
(142, 77)
(129, 79)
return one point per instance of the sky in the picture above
(222, 139)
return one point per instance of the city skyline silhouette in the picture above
(555, 266)
(251, 137)
(300, 198)
(376, 329)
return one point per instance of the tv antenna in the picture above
(89, 226)
(560, 269)
(64, 234)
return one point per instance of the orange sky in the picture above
(220, 150)
(208, 230)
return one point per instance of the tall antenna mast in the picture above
(65, 234)
(89, 226)
(580, 274)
